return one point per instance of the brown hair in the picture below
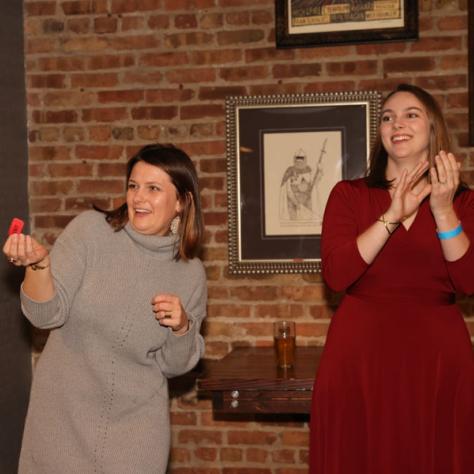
(439, 137)
(177, 164)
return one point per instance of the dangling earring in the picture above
(174, 226)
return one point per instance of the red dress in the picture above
(394, 392)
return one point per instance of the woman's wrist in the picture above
(390, 225)
(40, 264)
(182, 330)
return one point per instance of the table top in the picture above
(255, 368)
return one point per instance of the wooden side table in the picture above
(247, 380)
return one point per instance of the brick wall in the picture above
(107, 76)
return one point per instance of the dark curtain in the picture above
(15, 349)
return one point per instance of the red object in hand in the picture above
(16, 226)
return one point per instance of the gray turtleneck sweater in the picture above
(99, 400)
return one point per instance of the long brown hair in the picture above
(439, 137)
(177, 164)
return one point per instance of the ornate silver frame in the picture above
(354, 115)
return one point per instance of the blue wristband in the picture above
(449, 234)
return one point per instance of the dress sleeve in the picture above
(461, 271)
(342, 263)
(68, 261)
(180, 354)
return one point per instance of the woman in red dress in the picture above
(394, 392)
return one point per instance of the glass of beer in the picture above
(285, 343)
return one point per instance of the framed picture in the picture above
(331, 22)
(284, 155)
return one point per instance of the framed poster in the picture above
(284, 155)
(331, 22)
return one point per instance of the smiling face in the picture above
(405, 129)
(152, 200)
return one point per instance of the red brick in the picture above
(254, 293)
(85, 44)
(206, 437)
(84, 7)
(111, 169)
(284, 456)
(168, 95)
(295, 438)
(78, 25)
(244, 73)
(296, 70)
(279, 311)
(188, 39)
(206, 454)
(231, 454)
(130, 23)
(130, 6)
(45, 205)
(71, 170)
(110, 62)
(239, 37)
(94, 80)
(191, 75)
(61, 64)
(218, 165)
(164, 59)
(257, 455)
(262, 17)
(221, 56)
(40, 8)
(98, 186)
(105, 25)
(238, 3)
(159, 22)
(352, 67)
(154, 113)
(50, 116)
(100, 133)
(133, 43)
(49, 153)
(96, 152)
(437, 44)
(238, 18)
(124, 96)
(211, 20)
(246, 470)
(268, 54)
(198, 111)
(183, 418)
(107, 114)
(50, 187)
(51, 26)
(187, 21)
(211, 183)
(406, 65)
(229, 310)
(187, 4)
(49, 81)
(40, 45)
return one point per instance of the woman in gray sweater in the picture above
(124, 296)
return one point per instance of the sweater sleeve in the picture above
(342, 263)
(68, 261)
(181, 353)
(461, 271)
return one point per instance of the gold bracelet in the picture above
(387, 223)
(36, 266)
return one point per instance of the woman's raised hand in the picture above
(24, 250)
(405, 198)
(444, 182)
(170, 312)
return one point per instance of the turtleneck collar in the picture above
(161, 246)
